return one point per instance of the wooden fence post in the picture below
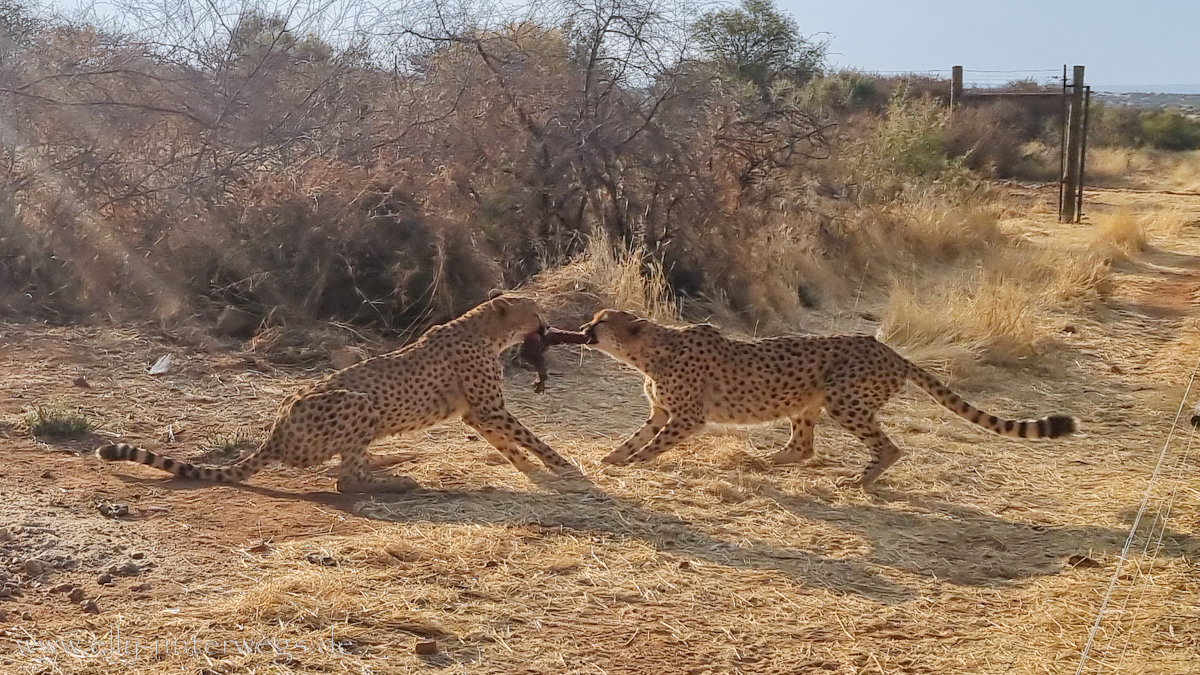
(956, 86)
(1072, 189)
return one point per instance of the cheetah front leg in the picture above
(508, 436)
(639, 439)
(800, 446)
(680, 426)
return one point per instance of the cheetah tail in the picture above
(234, 473)
(1052, 426)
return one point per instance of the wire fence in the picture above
(985, 79)
(1118, 620)
(993, 79)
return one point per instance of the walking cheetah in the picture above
(696, 375)
(451, 371)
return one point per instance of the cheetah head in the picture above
(619, 334)
(516, 318)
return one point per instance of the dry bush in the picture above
(34, 279)
(986, 139)
(297, 179)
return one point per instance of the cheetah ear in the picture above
(495, 293)
(501, 305)
(635, 328)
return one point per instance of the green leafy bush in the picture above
(1170, 130)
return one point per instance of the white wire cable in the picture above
(1161, 519)
(1087, 648)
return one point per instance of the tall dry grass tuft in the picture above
(1185, 174)
(1069, 280)
(605, 275)
(981, 317)
(1164, 224)
(1120, 235)
(978, 294)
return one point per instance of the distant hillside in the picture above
(1149, 88)
(1115, 95)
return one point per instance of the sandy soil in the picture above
(977, 555)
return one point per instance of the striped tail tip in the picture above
(112, 452)
(1061, 425)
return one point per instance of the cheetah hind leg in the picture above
(658, 419)
(377, 461)
(884, 453)
(355, 474)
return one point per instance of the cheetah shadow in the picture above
(581, 507)
(933, 538)
(595, 512)
(968, 547)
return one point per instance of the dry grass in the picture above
(1120, 235)
(1185, 174)
(605, 276)
(983, 555)
(1116, 166)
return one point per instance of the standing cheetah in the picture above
(696, 375)
(452, 371)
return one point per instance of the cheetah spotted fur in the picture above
(452, 371)
(695, 375)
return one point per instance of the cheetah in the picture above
(452, 371)
(695, 375)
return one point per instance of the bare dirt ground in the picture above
(978, 554)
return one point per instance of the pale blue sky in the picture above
(1120, 42)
